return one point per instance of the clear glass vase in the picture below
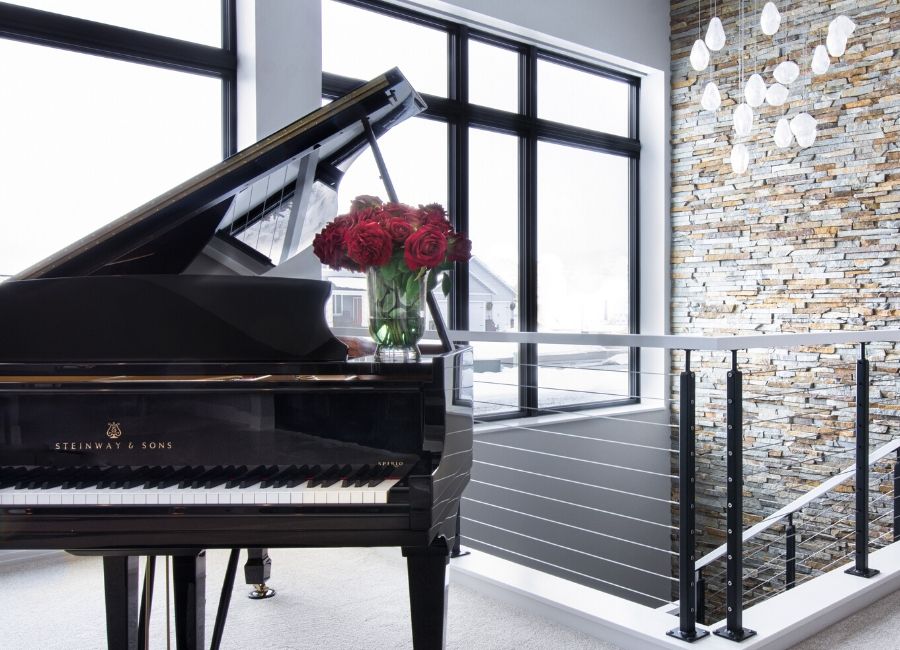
(396, 313)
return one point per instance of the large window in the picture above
(106, 107)
(537, 153)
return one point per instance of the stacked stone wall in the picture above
(806, 240)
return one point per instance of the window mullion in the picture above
(458, 148)
(528, 315)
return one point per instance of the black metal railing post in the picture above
(701, 597)
(861, 553)
(734, 629)
(896, 497)
(687, 580)
(790, 550)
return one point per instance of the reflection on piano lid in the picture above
(252, 211)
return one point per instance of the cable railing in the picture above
(816, 416)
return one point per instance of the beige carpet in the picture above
(327, 599)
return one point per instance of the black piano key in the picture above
(258, 475)
(231, 473)
(279, 478)
(186, 472)
(11, 475)
(129, 475)
(114, 475)
(215, 478)
(148, 477)
(30, 476)
(200, 479)
(356, 477)
(341, 474)
(316, 481)
(91, 477)
(64, 474)
(304, 474)
(381, 473)
(156, 474)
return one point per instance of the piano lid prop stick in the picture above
(439, 325)
(379, 161)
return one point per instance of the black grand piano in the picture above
(166, 387)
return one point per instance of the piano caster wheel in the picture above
(260, 592)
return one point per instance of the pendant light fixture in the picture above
(803, 126)
(712, 99)
(699, 54)
(770, 19)
(783, 135)
(715, 35)
(755, 90)
(820, 60)
(786, 72)
(776, 95)
(740, 158)
(743, 120)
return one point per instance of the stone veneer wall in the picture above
(806, 240)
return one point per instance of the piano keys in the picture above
(168, 386)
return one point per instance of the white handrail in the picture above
(669, 341)
(801, 502)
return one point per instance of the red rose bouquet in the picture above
(397, 246)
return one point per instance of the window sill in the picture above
(574, 416)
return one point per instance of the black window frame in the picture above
(459, 115)
(40, 27)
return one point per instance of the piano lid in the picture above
(250, 212)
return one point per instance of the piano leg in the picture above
(257, 571)
(146, 603)
(427, 573)
(189, 578)
(120, 582)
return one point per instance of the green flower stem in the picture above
(396, 305)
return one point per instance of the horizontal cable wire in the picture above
(572, 571)
(773, 518)
(572, 526)
(515, 364)
(574, 459)
(594, 439)
(750, 602)
(545, 409)
(568, 390)
(582, 483)
(569, 548)
(578, 505)
(844, 499)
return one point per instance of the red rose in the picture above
(425, 248)
(328, 245)
(459, 248)
(398, 228)
(434, 215)
(364, 201)
(368, 244)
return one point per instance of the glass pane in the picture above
(363, 44)
(582, 228)
(493, 229)
(493, 76)
(581, 374)
(199, 21)
(496, 377)
(90, 139)
(579, 98)
(415, 153)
